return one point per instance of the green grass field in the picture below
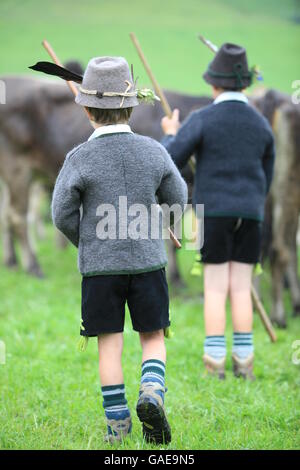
(50, 393)
(167, 31)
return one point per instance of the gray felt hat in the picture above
(107, 84)
(229, 69)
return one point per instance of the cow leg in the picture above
(9, 252)
(19, 202)
(34, 218)
(60, 240)
(277, 270)
(279, 261)
(292, 268)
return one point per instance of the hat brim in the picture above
(226, 83)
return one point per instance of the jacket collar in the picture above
(231, 96)
(111, 129)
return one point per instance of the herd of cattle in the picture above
(40, 123)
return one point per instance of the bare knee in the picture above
(240, 276)
(111, 343)
(151, 337)
(153, 345)
(216, 278)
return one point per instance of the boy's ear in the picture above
(88, 113)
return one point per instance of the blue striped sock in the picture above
(243, 344)
(114, 403)
(153, 370)
(215, 347)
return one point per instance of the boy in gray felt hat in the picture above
(234, 150)
(113, 165)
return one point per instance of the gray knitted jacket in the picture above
(98, 172)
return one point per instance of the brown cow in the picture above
(38, 125)
(284, 201)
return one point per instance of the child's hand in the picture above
(171, 125)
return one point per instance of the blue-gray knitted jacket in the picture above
(99, 172)
(234, 149)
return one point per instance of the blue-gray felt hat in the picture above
(107, 84)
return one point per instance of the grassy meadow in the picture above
(167, 32)
(49, 392)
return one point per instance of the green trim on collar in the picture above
(111, 133)
(129, 271)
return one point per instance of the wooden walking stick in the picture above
(256, 300)
(55, 59)
(162, 97)
(208, 43)
(263, 315)
(158, 90)
(74, 90)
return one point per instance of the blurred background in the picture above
(167, 30)
(49, 392)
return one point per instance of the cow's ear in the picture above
(52, 69)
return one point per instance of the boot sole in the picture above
(156, 428)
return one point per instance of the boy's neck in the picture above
(218, 91)
(96, 125)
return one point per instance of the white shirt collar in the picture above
(231, 96)
(111, 129)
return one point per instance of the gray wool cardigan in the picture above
(99, 171)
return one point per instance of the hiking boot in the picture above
(118, 429)
(215, 367)
(243, 367)
(151, 412)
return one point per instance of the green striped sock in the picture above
(243, 344)
(115, 404)
(215, 346)
(153, 370)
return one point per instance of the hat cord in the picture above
(99, 94)
(238, 74)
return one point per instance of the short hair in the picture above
(110, 116)
(232, 88)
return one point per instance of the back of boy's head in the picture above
(109, 116)
(232, 89)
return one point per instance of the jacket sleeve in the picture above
(182, 146)
(66, 201)
(173, 188)
(268, 161)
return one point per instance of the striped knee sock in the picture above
(115, 403)
(243, 344)
(153, 370)
(215, 347)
